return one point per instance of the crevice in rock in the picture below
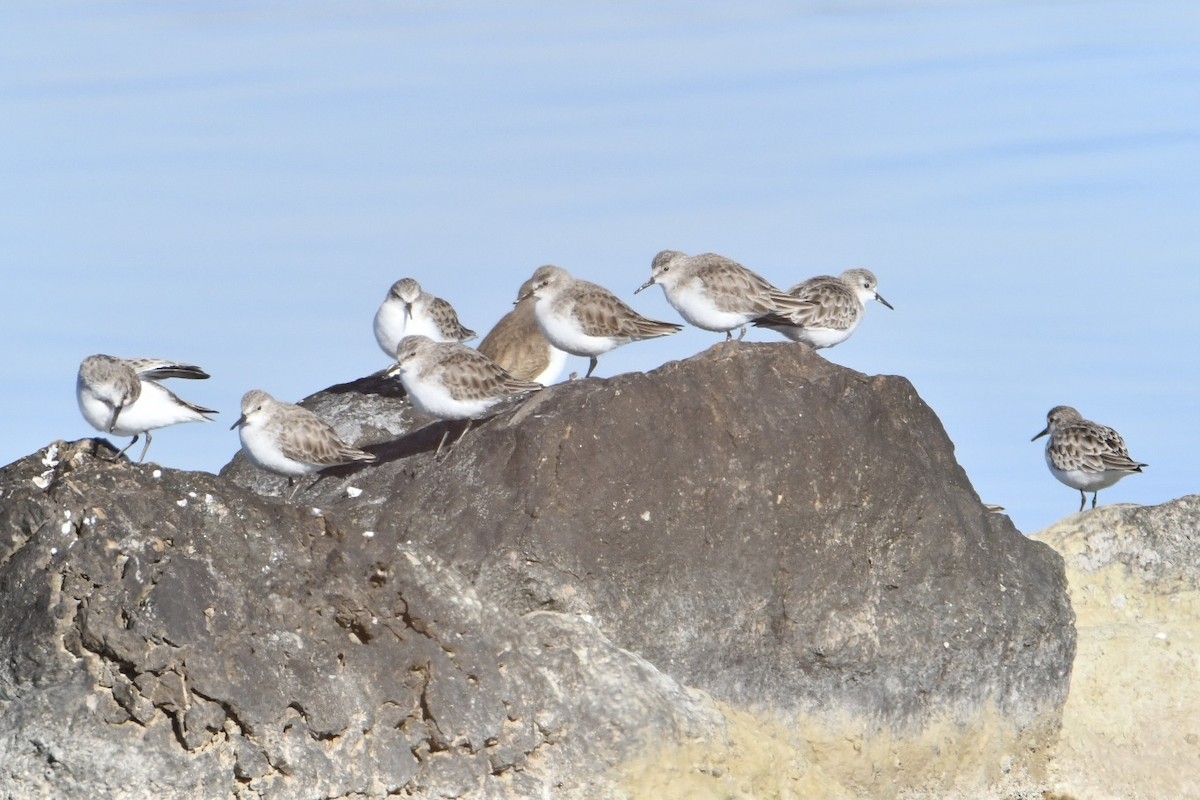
(231, 714)
(315, 735)
(18, 543)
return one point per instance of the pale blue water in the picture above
(236, 185)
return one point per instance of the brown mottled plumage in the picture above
(586, 319)
(829, 310)
(1083, 454)
(290, 440)
(447, 380)
(716, 293)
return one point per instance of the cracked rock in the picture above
(586, 578)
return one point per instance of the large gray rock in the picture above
(535, 610)
(757, 522)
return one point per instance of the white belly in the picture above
(558, 360)
(564, 332)
(393, 323)
(264, 452)
(698, 308)
(389, 327)
(1086, 481)
(814, 337)
(429, 396)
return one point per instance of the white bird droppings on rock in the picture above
(51, 458)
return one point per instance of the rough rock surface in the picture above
(757, 522)
(610, 569)
(242, 648)
(1131, 725)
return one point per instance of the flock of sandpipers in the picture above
(555, 315)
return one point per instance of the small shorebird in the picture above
(832, 307)
(586, 319)
(447, 380)
(123, 396)
(716, 293)
(1083, 454)
(290, 440)
(408, 310)
(518, 345)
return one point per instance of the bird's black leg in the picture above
(438, 452)
(145, 447)
(132, 442)
(592, 366)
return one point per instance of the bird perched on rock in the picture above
(447, 380)
(831, 308)
(1083, 454)
(408, 310)
(123, 396)
(586, 319)
(290, 440)
(717, 293)
(518, 345)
